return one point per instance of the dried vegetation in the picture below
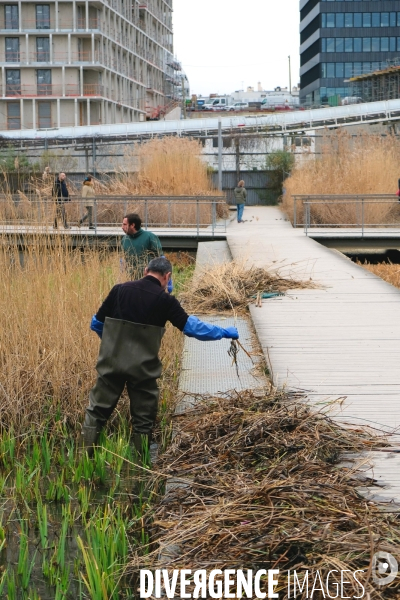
(263, 489)
(47, 351)
(160, 167)
(387, 271)
(232, 285)
(366, 164)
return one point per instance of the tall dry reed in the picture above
(366, 164)
(169, 166)
(387, 271)
(47, 351)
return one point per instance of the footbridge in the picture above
(269, 125)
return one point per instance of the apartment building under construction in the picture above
(85, 62)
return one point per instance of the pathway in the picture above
(339, 343)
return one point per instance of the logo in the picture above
(384, 568)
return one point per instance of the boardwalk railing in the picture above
(359, 212)
(189, 212)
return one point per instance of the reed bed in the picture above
(263, 488)
(233, 285)
(170, 166)
(387, 271)
(161, 167)
(366, 164)
(47, 351)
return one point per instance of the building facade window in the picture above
(43, 16)
(11, 17)
(42, 49)
(13, 82)
(44, 87)
(367, 19)
(12, 49)
(44, 115)
(13, 115)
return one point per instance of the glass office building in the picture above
(342, 38)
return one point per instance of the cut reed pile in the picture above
(387, 271)
(47, 351)
(366, 164)
(263, 490)
(231, 285)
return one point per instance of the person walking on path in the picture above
(130, 323)
(240, 194)
(61, 195)
(88, 196)
(139, 246)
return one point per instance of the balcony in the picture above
(43, 56)
(51, 90)
(152, 8)
(50, 24)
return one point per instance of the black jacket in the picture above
(60, 190)
(144, 302)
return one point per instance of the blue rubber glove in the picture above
(206, 332)
(232, 333)
(97, 326)
(170, 286)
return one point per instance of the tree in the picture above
(280, 163)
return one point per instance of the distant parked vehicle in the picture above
(238, 106)
(216, 104)
(351, 100)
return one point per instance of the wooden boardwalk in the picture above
(340, 344)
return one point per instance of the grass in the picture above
(50, 493)
(47, 351)
(366, 164)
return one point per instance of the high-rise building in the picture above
(340, 39)
(85, 62)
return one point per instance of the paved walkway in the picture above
(340, 343)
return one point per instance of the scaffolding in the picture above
(383, 84)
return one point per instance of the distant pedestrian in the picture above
(88, 195)
(46, 175)
(61, 196)
(240, 194)
(139, 246)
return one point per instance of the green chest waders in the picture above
(128, 355)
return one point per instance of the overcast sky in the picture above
(227, 45)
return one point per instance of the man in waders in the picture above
(131, 323)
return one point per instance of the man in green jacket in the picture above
(139, 246)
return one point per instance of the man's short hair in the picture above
(160, 265)
(134, 219)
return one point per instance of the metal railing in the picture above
(194, 213)
(360, 213)
(49, 89)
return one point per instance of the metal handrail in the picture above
(167, 212)
(359, 202)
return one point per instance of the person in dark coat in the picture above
(131, 324)
(61, 196)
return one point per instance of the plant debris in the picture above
(259, 485)
(231, 285)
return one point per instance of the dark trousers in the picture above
(128, 356)
(104, 396)
(88, 215)
(61, 214)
